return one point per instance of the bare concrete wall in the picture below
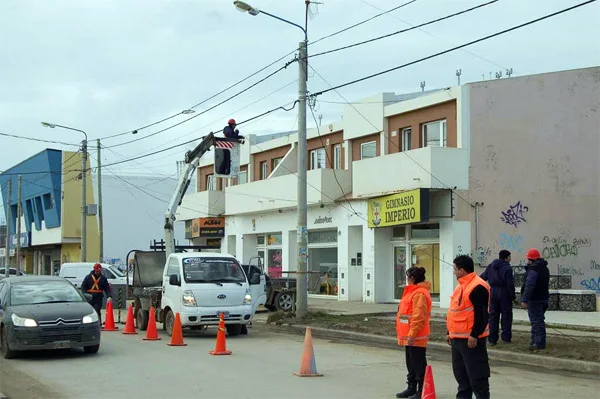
(535, 165)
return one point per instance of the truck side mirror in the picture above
(255, 280)
(174, 280)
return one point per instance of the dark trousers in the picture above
(500, 305)
(96, 303)
(471, 369)
(416, 362)
(536, 311)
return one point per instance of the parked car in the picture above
(75, 272)
(11, 271)
(45, 312)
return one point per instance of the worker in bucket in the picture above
(96, 285)
(231, 132)
(412, 328)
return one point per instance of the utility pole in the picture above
(83, 200)
(18, 250)
(100, 219)
(8, 218)
(458, 73)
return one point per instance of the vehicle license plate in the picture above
(226, 314)
(62, 344)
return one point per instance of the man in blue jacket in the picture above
(499, 275)
(97, 285)
(535, 294)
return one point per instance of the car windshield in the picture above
(117, 272)
(212, 270)
(40, 292)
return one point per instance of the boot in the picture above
(408, 392)
(419, 392)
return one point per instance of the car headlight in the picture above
(188, 298)
(22, 321)
(248, 299)
(91, 318)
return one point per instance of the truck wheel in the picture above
(285, 301)
(233, 329)
(169, 322)
(142, 319)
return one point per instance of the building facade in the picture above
(420, 178)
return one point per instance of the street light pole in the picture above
(302, 208)
(83, 186)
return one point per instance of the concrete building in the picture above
(418, 179)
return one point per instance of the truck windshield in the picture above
(212, 270)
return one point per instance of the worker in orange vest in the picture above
(467, 323)
(412, 329)
(96, 285)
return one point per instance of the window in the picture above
(368, 150)
(322, 236)
(242, 177)
(173, 267)
(109, 275)
(317, 158)
(48, 202)
(211, 270)
(337, 156)
(406, 138)
(434, 134)
(34, 292)
(263, 170)
(211, 182)
(429, 230)
(276, 162)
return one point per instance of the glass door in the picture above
(428, 256)
(399, 270)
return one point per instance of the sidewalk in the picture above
(585, 320)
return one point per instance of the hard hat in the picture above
(533, 254)
(231, 122)
(97, 267)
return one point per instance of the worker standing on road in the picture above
(499, 274)
(96, 285)
(535, 294)
(467, 323)
(412, 328)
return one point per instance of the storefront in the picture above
(205, 232)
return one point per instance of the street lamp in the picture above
(302, 232)
(83, 185)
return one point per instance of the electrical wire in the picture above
(531, 22)
(39, 140)
(433, 21)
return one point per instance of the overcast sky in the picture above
(113, 66)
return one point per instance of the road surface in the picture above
(261, 366)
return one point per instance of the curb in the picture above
(547, 362)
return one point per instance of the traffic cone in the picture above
(151, 332)
(428, 385)
(220, 347)
(109, 324)
(129, 325)
(308, 365)
(177, 335)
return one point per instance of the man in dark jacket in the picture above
(499, 275)
(230, 130)
(96, 285)
(535, 294)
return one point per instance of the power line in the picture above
(405, 30)
(453, 49)
(39, 140)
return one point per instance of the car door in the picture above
(258, 291)
(3, 297)
(171, 293)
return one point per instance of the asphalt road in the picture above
(261, 366)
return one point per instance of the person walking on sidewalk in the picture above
(499, 275)
(535, 294)
(96, 285)
(412, 328)
(467, 323)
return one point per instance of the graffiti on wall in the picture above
(562, 247)
(481, 254)
(511, 242)
(569, 271)
(591, 284)
(594, 265)
(515, 214)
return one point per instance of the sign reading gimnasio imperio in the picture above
(398, 209)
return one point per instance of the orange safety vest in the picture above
(405, 316)
(461, 315)
(95, 286)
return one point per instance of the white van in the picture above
(75, 273)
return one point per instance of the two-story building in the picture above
(414, 180)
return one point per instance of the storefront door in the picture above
(428, 256)
(399, 270)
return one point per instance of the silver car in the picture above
(45, 312)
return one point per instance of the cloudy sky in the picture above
(110, 67)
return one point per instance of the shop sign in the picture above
(323, 220)
(211, 227)
(25, 240)
(188, 229)
(397, 209)
(195, 228)
(213, 242)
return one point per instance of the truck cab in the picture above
(200, 286)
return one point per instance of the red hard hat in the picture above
(97, 266)
(231, 122)
(533, 254)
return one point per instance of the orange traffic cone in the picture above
(177, 335)
(129, 325)
(428, 385)
(151, 332)
(109, 324)
(308, 366)
(220, 347)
